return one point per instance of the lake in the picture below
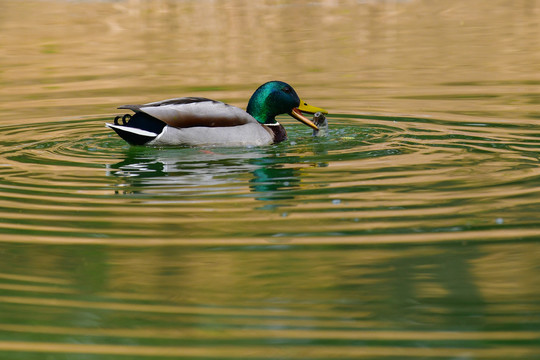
(410, 231)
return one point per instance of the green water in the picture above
(411, 231)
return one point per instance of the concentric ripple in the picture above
(373, 178)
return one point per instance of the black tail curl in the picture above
(125, 119)
(141, 121)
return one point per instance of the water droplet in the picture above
(336, 201)
(499, 221)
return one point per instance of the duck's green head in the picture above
(276, 97)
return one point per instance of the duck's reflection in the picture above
(272, 180)
(144, 168)
(264, 173)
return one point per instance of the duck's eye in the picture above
(287, 89)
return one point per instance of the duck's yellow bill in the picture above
(297, 114)
(310, 109)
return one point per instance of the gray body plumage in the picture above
(199, 121)
(249, 134)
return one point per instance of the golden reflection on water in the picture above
(73, 58)
(267, 352)
(256, 309)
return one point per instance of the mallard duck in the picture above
(200, 121)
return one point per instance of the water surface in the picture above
(410, 231)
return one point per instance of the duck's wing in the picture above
(194, 111)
